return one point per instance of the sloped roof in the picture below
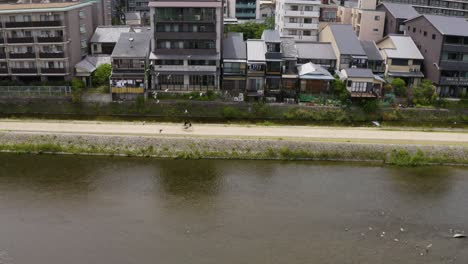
(288, 46)
(313, 71)
(455, 26)
(270, 35)
(108, 34)
(234, 46)
(371, 50)
(346, 40)
(90, 63)
(359, 73)
(256, 50)
(132, 16)
(132, 45)
(315, 50)
(401, 11)
(404, 48)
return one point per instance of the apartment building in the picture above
(443, 41)
(402, 59)
(454, 8)
(186, 46)
(368, 23)
(298, 19)
(44, 41)
(395, 17)
(242, 9)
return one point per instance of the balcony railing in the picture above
(27, 55)
(33, 24)
(2, 55)
(184, 87)
(51, 55)
(453, 65)
(53, 70)
(253, 6)
(49, 39)
(2, 40)
(23, 70)
(4, 70)
(21, 40)
(455, 47)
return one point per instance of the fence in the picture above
(35, 91)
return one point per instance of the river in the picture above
(83, 209)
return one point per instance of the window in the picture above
(308, 8)
(292, 32)
(357, 86)
(202, 80)
(56, 17)
(12, 19)
(26, 18)
(169, 62)
(202, 62)
(433, 36)
(293, 20)
(376, 30)
(377, 18)
(84, 44)
(307, 20)
(400, 62)
(414, 30)
(171, 79)
(81, 14)
(82, 29)
(306, 33)
(409, 28)
(294, 8)
(425, 33)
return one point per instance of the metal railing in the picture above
(185, 88)
(38, 91)
(33, 24)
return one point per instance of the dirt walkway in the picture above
(211, 130)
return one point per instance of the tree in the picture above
(101, 75)
(338, 89)
(251, 30)
(399, 87)
(270, 22)
(77, 89)
(425, 93)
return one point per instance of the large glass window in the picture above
(203, 80)
(400, 62)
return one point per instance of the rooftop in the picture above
(132, 45)
(313, 72)
(288, 46)
(256, 50)
(346, 39)
(90, 63)
(371, 50)
(315, 50)
(454, 26)
(403, 48)
(234, 47)
(108, 34)
(269, 35)
(401, 10)
(132, 16)
(358, 73)
(41, 7)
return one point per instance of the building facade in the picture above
(298, 19)
(443, 41)
(186, 46)
(395, 17)
(368, 23)
(44, 41)
(242, 9)
(454, 8)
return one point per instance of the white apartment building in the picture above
(298, 19)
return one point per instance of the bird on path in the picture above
(375, 123)
(160, 131)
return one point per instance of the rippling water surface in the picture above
(69, 209)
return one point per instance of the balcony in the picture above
(26, 55)
(252, 6)
(187, 18)
(3, 71)
(302, 13)
(49, 39)
(53, 70)
(21, 40)
(24, 70)
(33, 24)
(304, 2)
(462, 81)
(46, 55)
(185, 51)
(2, 41)
(2, 55)
(186, 35)
(311, 26)
(182, 68)
(453, 65)
(455, 47)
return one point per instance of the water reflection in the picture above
(431, 182)
(189, 178)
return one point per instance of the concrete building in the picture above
(395, 16)
(274, 61)
(402, 59)
(455, 8)
(186, 46)
(298, 19)
(267, 8)
(234, 64)
(129, 65)
(242, 9)
(44, 41)
(368, 23)
(347, 47)
(443, 41)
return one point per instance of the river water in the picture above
(71, 209)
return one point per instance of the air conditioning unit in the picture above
(197, 17)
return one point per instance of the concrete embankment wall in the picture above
(230, 148)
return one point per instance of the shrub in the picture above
(101, 75)
(77, 89)
(370, 106)
(404, 158)
(339, 90)
(425, 93)
(399, 87)
(230, 112)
